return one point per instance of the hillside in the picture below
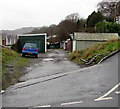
(95, 53)
(12, 67)
(19, 31)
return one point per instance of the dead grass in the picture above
(101, 48)
(10, 57)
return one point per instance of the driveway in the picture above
(54, 81)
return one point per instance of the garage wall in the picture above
(81, 45)
(85, 40)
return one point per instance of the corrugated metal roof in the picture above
(95, 36)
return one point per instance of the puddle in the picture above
(65, 59)
(48, 59)
(29, 68)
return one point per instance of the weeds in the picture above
(10, 57)
(97, 51)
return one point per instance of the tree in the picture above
(109, 8)
(118, 9)
(80, 24)
(94, 18)
(108, 27)
(73, 17)
(50, 30)
(65, 27)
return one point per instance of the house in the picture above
(3, 39)
(85, 40)
(7, 39)
(54, 42)
(67, 45)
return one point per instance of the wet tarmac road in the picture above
(54, 62)
(56, 82)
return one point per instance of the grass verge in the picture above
(95, 53)
(12, 67)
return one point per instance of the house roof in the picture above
(4, 35)
(95, 36)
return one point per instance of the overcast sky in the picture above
(37, 13)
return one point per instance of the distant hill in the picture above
(19, 31)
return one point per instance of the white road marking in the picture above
(118, 92)
(2, 91)
(103, 97)
(43, 106)
(77, 102)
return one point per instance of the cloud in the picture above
(19, 13)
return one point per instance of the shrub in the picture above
(108, 27)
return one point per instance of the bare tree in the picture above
(65, 27)
(109, 8)
(118, 8)
(73, 17)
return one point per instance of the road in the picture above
(56, 82)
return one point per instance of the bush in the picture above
(16, 46)
(108, 27)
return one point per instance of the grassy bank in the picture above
(95, 53)
(12, 67)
